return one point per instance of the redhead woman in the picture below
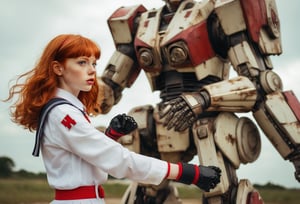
(78, 158)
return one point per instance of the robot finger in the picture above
(164, 111)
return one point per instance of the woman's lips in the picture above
(91, 81)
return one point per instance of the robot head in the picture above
(172, 5)
(173, 1)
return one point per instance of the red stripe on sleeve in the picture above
(179, 171)
(168, 171)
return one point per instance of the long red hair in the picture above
(41, 82)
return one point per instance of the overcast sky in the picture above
(27, 26)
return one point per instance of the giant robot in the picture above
(186, 49)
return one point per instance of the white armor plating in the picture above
(191, 49)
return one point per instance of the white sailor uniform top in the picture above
(76, 154)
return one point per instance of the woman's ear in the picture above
(57, 68)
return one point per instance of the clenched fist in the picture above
(120, 125)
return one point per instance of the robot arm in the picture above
(276, 111)
(122, 69)
(115, 78)
(235, 95)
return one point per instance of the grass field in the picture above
(34, 191)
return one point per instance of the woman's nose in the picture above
(92, 69)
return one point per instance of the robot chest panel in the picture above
(181, 43)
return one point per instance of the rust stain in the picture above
(230, 138)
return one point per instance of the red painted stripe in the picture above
(293, 103)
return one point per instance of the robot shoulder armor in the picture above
(230, 15)
(122, 23)
(259, 18)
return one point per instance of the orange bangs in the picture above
(74, 46)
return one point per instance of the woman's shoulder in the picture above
(63, 109)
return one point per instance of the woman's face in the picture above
(78, 74)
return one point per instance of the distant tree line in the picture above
(270, 186)
(7, 170)
(6, 166)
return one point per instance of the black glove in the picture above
(182, 112)
(205, 178)
(120, 125)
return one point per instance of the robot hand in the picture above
(177, 114)
(205, 178)
(106, 98)
(120, 125)
(181, 112)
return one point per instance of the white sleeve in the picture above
(88, 143)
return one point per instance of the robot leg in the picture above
(144, 141)
(247, 194)
(226, 141)
(279, 118)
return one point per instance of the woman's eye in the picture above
(94, 64)
(82, 62)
